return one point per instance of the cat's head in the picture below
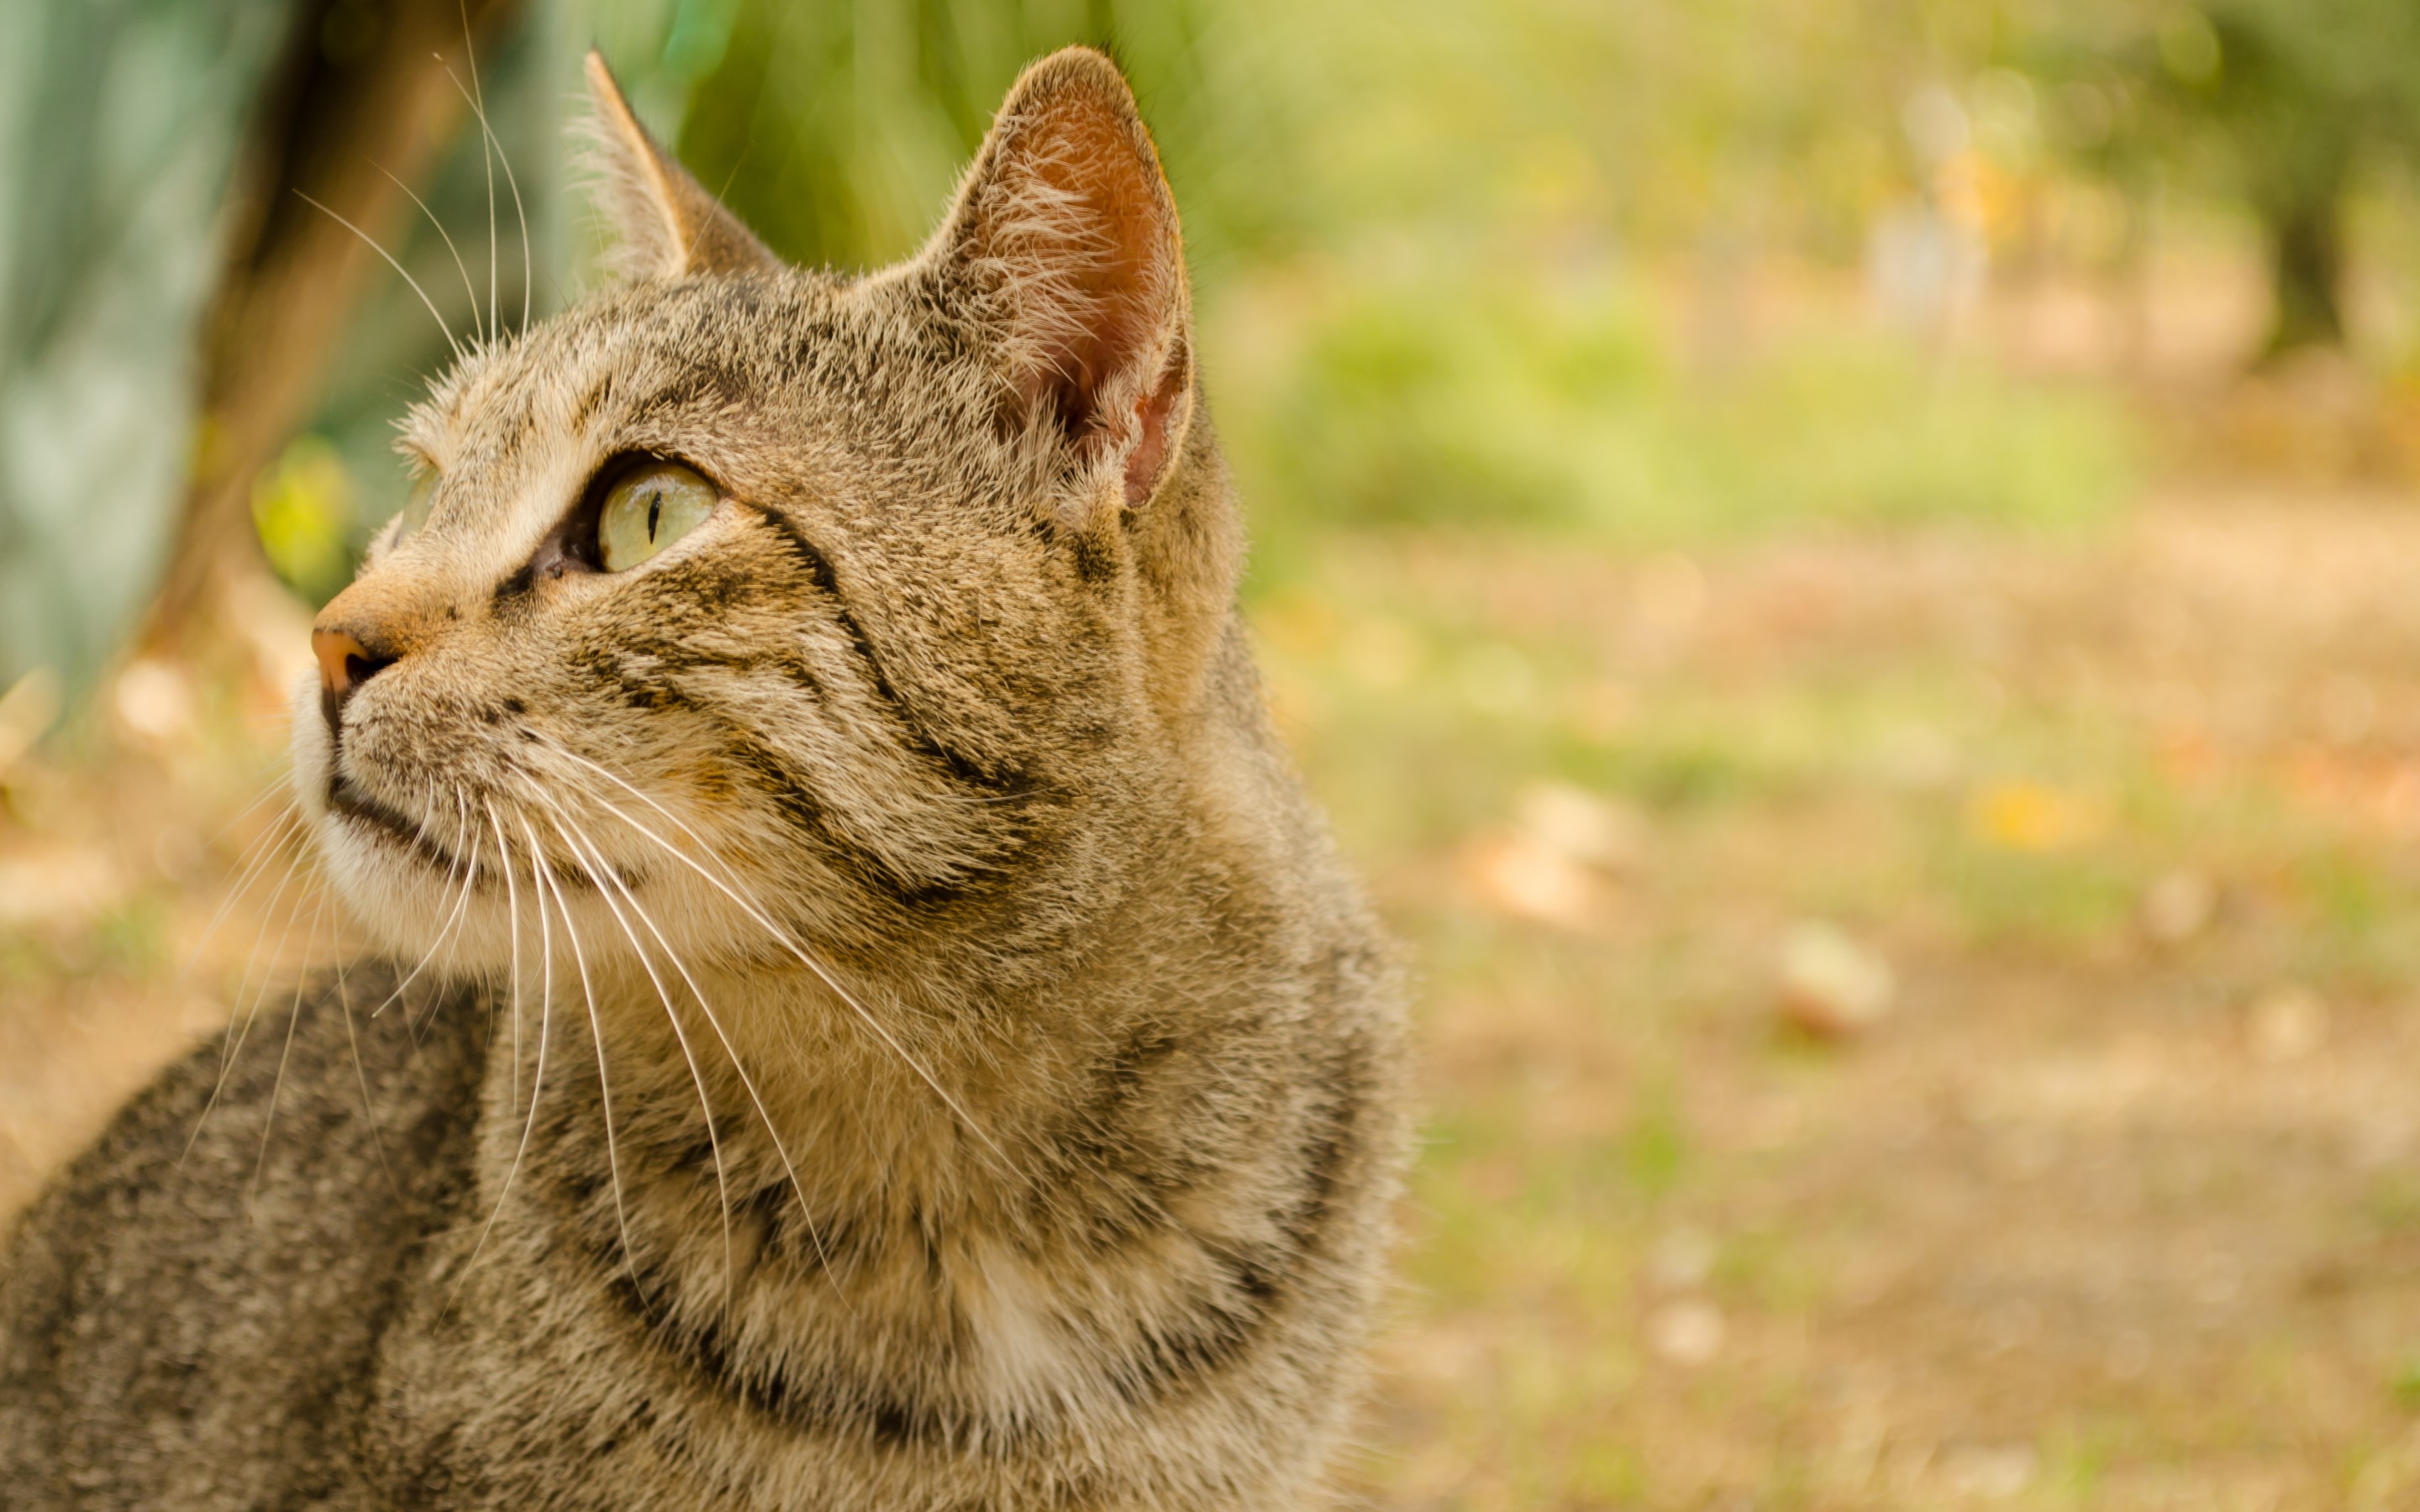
(757, 601)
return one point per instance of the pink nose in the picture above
(344, 663)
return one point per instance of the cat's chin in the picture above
(396, 896)
(399, 887)
(462, 920)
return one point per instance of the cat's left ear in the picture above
(1064, 238)
(666, 223)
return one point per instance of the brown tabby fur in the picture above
(927, 780)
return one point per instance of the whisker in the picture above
(399, 269)
(780, 936)
(596, 867)
(468, 287)
(537, 1083)
(252, 864)
(233, 1045)
(450, 939)
(293, 1020)
(471, 55)
(362, 1077)
(479, 109)
(281, 782)
(470, 868)
(540, 880)
(513, 919)
(806, 1210)
(244, 985)
(286, 827)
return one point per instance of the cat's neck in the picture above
(843, 1116)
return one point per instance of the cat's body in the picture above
(914, 813)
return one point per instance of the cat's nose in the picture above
(345, 664)
(359, 634)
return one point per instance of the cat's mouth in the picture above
(346, 798)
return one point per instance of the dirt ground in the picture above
(2119, 1206)
(2109, 1196)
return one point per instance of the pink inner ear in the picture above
(1092, 242)
(1154, 413)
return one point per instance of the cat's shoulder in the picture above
(306, 1157)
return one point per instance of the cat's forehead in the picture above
(653, 359)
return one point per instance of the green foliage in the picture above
(837, 132)
(121, 126)
(1406, 221)
(1436, 402)
(303, 507)
(2265, 100)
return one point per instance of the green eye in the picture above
(648, 510)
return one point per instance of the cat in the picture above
(890, 1029)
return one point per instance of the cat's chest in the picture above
(546, 1383)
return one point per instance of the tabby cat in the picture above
(889, 1029)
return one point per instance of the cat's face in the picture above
(760, 604)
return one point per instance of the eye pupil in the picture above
(652, 505)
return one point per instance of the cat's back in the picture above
(189, 1314)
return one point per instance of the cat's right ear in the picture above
(1063, 240)
(664, 223)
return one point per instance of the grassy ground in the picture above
(2120, 1205)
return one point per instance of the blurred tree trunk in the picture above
(2306, 268)
(363, 93)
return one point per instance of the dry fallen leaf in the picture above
(1564, 842)
(2288, 1022)
(2178, 905)
(1530, 881)
(2035, 817)
(1579, 826)
(1830, 985)
(1686, 1333)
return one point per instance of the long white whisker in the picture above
(452, 866)
(293, 1021)
(479, 108)
(449, 940)
(780, 934)
(276, 840)
(261, 852)
(540, 879)
(234, 1044)
(600, 868)
(281, 782)
(362, 1076)
(806, 1210)
(391, 263)
(281, 827)
(459, 267)
(470, 868)
(513, 923)
(252, 962)
(470, 55)
(537, 1082)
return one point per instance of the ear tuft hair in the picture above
(665, 225)
(1065, 229)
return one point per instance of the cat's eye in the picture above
(648, 509)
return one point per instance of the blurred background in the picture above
(1849, 570)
